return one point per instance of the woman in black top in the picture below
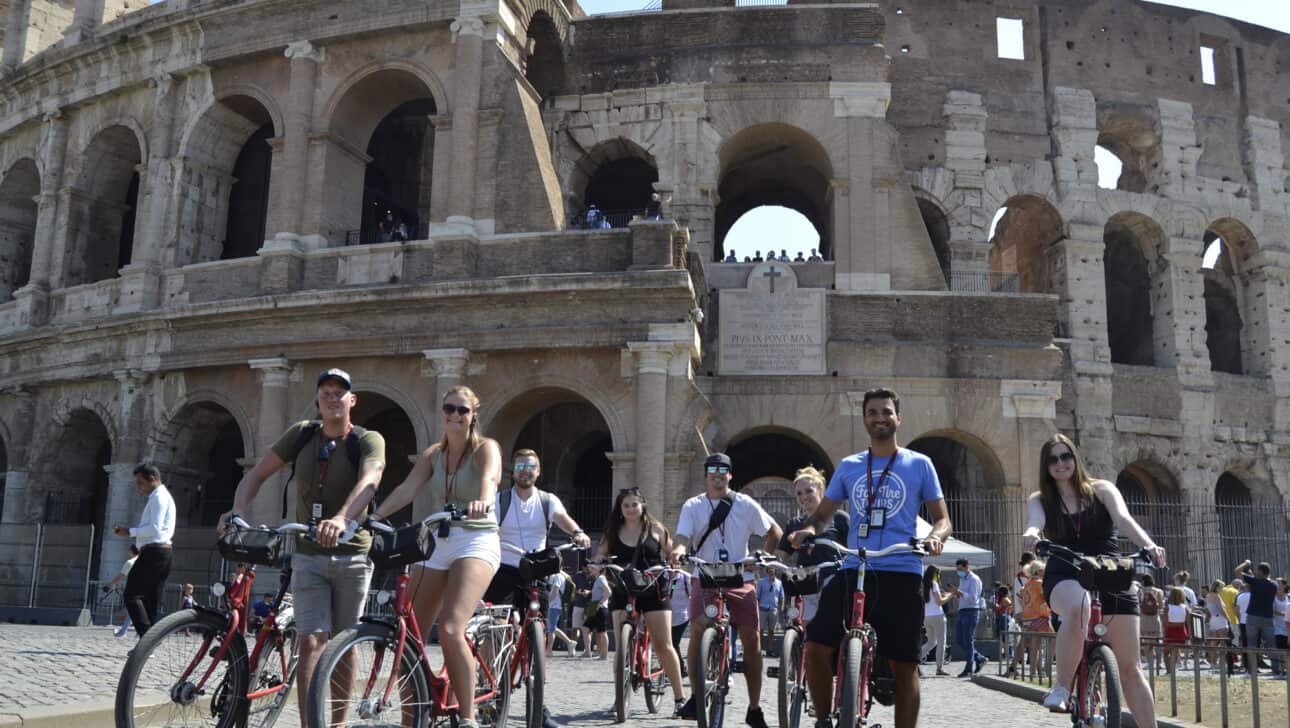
(637, 540)
(1081, 513)
(808, 484)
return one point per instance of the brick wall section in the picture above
(1016, 320)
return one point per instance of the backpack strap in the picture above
(717, 518)
(306, 434)
(546, 508)
(354, 445)
(503, 504)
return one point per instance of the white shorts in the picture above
(1218, 623)
(465, 543)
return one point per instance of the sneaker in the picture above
(824, 723)
(547, 720)
(981, 660)
(940, 671)
(687, 711)
(119, 631)
(1056, 699)
(679, 708)
(755, 718)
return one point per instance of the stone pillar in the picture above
(85, 22)
(33, 298)
(17, 449)
(1078, 266)
(124, 506)
(1074, 132)
(1276, 286)
(1180, 152)
(1178, 307)
(468, 70)
(298, 122)
(448, 369)
(651, 359)
(623, 465)
(274, 375)
(1266, 161)
(16, 30)
(965, 121)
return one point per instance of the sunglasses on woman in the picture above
(1065, 457)
(449, 409)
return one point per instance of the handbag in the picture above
(637, 582)
(720, 576)
(403, 547)
(801, 586)
(1105, 573)
(257, 546)
(539, 565)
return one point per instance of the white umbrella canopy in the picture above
(954, 550)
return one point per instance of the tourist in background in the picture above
(146, 582)
(934, 617)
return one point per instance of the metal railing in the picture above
(979, 281)
(373, 235)
(1202, 672)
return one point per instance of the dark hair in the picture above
(1265, 569)
(134, 549)
(929, 577)
(1056, 527)
(1002, 591)
(1026, 558)
(147, 470)
(1148, 580)
(961, 562)
(616, 520)
(881, 393)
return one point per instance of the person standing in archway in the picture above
(147, 579)
(884, 511)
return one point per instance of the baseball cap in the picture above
(717, 458)
(339, 375)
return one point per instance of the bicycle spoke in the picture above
(356, 693)
(161, 698)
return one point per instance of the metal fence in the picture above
(976, 281)
(45, 566)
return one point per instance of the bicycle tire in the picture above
(623, 671)
(265, 715)
(412, 691)
(851, 697)
(148, 694)
(711, 710)
(792, 686)
(535, 674)
(1095, 698)
(651, 687)
(493, 713)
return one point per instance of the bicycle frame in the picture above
(522, 646)
(854, 629)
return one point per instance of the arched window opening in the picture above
(1129, 136)
(379, 413)
(1129, 319)
(396, 185)
(102, 227)
(938, 230)
(619, 190)
(753, 236)
(248, 204)
(201, 455)
(544, 64)
(1234, 502)
(1152, 495)
(1021, 236)
(971, 477)
(1109, 168)
(1222, 308)
(774, 165)
(764, 461)
(18, 190)
(73, 489)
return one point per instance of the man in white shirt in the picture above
(725, 542)
(968, 593)
(147, 580)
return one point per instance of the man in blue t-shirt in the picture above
(883, 489)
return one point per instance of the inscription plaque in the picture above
(772, 327)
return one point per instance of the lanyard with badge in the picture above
(325, 449)
(876, 519)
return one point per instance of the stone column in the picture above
(965, 122)
(1178, 307)
(468, 70)
(448, 369)
(85, 22)
(1078, 262)
(124, 506)
(274, 375)
(33, 298)
(298, 122)
(16, 30)
(18, 447)
(651, 360)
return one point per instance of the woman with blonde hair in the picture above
(462, 470)
(1084, 514)
(808, 486)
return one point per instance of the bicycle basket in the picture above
(252, 546)
(539, 565)
(795, 586)
(407, 545)
(1105, 573)
(720, 576)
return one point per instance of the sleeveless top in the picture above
(650, 554)
(467, 485)
(1094, 534)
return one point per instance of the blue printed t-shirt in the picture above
(911, 482)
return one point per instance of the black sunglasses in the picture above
(451, 408)
(723, 469)
(1065, 457)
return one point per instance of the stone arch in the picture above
(553, 9)
(1021, 249)
(257, 94)
(1236, 324)
(380, 152)
(201, 449)
(937, 222)
(544, 61)
(407, 404)
(583, 388)
(965, 463)
(774, 164)
(616, 175)
(70, 480)
(224, 176)
(403, 439)
(1132, 134)
(773, 452)
(18, 190)
(104, 204)
(1247, 509)
(1134, 243)
(64, 409)
(166, 431)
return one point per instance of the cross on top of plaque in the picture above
(772, 274)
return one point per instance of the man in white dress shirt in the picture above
(147, 580)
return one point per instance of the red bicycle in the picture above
(191, 668)
(378, 673)
(792, 694)
(636, 667)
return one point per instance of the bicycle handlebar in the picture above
(452, 514)
(571, 546)
(1048, 548)
(285, 529)
(910, 547)
(756, 558)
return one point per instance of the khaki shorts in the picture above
(329, 591)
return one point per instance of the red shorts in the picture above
(1176, 634)
(741, 603)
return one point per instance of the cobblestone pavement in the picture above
(65, 666)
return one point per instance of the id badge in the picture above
(723, 556)
(862, 530)
(877, 518)
(317, 512)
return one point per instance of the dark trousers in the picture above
(145, 586)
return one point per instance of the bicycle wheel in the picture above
(651, 687)
(623, 671)
(492, 713)
(162, 683)
(341, 695)
(854, 673)
(712, 680)
(282, 648)
(792, 683)
(535, 674)
(1099, 698)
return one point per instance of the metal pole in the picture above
(89, 564)
(35, 566)
(1222, 684)
(1175, 654)
(1195, 684)
(1254, 685)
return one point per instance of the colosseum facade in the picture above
(192, 224)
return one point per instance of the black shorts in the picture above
(893, 606)
(508, 588)
(650, 601)
(1123, 603)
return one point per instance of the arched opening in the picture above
(1020, 245)
(544, 64)
(101, 224)
(1153, 498)
(1235, 322)
(571, 439)
(380, 413)
(227, 163)
(203, 451)
(763, 462)
(774, 164)
(938, 230)
(1110, 168)
(619, 182)
(388, 114)
(972, 479)
(74, 477)
(18, 191)
(1234, 503)
(1128, 137)
(761, 228)
(1222, 313)
(1132, 243)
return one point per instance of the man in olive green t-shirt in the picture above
(329, 579)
